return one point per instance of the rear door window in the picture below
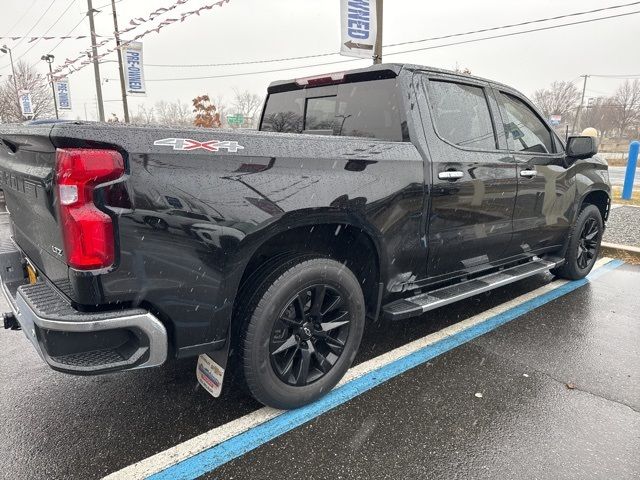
(320, 114)
(461, 114)
(526, 129)
(284, 113)
(361, 109)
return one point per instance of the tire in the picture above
(583, 246)
(306, 315)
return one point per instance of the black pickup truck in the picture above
(390, 190)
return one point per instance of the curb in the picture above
(625, 252)
(618, 205)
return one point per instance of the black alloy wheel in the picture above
(310, 335)
(583, 245)
(588, 243)
(303, 320)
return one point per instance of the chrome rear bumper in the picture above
(71, 341)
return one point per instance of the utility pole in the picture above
(96, 65)
(584, 90)
(49, 59)
(377, 53)
(123, 87)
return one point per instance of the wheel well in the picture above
(601, 200)
(342, 242)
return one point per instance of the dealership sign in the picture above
(359, 28)
(63, 95)
(26, 105)
(133, 69)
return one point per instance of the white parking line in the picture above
(172, 456)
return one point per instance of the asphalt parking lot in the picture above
(552, 393)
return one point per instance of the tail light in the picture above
(86, 231)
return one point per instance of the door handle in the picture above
(528, 173)
(450, 175)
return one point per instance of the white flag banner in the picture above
(26, 105)
(359, 28)
(63, 95)
(133, 69)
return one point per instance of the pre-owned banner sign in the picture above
(26, 106)
(63, 96)
(359, 28)
(133, 69)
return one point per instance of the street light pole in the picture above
(6, 49)
(49, 59)
(123, 87)
(577, 119)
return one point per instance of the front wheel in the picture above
(304, 325)
(584, 245)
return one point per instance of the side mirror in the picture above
(581, 147)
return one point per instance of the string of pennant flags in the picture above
(64, 37)
(136, 22)
(72, 65)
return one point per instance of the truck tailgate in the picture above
(27, 169)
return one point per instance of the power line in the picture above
(512, 34)
(49, 29)
(619, 76)
(521, 24)
(31, 30)
(401, 52)
(152, 16)
(106, 5)
(430, 39)
(70, 32)
(84, 17)
(35, 24)
(254, 73)
(21, 17)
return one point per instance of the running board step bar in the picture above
(417, 305)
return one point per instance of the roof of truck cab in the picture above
(394, 68)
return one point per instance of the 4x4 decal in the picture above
(187, 144)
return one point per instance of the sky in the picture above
(247, 30)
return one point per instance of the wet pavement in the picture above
(427, 423)
(553, 394)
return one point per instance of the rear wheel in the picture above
(304, 324)
(584, 245)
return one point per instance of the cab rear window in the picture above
(363, 109)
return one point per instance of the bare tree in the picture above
(26, 79)
(561, 98)
(144, 116)
(627, 99)
(173, 113)
(600, 114)
(248, 105)
(222, 109)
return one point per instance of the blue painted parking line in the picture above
(212, 458)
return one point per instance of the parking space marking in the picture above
(220, 445)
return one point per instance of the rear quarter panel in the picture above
(198, 215)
